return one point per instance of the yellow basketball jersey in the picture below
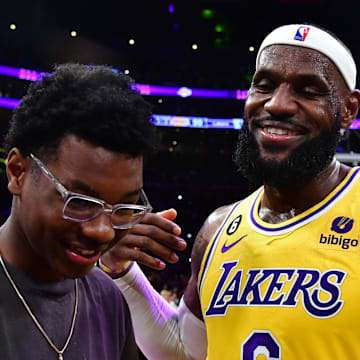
(285, 291)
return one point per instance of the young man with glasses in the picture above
(75, 170)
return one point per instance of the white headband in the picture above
(314, 38)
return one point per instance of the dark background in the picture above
(199, 167)
(194, 163)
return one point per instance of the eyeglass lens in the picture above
(78, 208)
(126, 216)
(82, 209)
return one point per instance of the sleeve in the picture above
(161, 332)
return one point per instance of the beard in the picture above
(305, 162)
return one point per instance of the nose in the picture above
(99, 229)
(282, 103)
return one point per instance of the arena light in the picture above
(207, 13)
(180, 121)
(168, 120)
(157, 90)
(21, 73)
(9, 103)
(197, 122)
(219, 28)
(171, 8)
(144, 89)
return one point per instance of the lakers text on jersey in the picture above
(285, 291)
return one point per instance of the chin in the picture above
(274, 158)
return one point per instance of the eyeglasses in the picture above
(81, 208)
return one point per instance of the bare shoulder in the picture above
(207, 231)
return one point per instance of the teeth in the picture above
(85, 252)
(277, 131)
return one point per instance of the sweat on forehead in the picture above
(311, 37)
(303, 61)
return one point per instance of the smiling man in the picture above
(275, 275)
(75, 169)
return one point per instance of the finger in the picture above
(169, 214)
(123, 250)
(153, 234)
(162, 222)
(152, 247)
(145, 259)
(117, 255)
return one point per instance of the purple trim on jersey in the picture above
(214, 242)
(307, 216)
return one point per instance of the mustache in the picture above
(289, 120)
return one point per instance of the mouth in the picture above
(81, 255)
(278, 132)
(84, 252)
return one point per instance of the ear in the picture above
(351, 109)
(16, 168)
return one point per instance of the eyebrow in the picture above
(305, 77)
(263, 72)
(88, 190)
(79, 185)
(314, 79)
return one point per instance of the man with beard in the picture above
(276, 275)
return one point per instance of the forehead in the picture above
(294, 60)
(99, 168)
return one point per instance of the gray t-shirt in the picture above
(103, 329)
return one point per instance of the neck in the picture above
(278, 205)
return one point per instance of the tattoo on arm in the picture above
(202, 240)
(198, 251)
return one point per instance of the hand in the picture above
(157, 236)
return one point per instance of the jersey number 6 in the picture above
(260, 342)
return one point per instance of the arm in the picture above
(161, 332)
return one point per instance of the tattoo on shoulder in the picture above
(198, 250)
(205, 234)
(200, 244)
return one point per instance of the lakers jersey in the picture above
(285, 291)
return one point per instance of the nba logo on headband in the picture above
(319, 40)
(301, 33)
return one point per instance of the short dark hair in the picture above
(93, 102)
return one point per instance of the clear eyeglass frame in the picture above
(101, 206)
